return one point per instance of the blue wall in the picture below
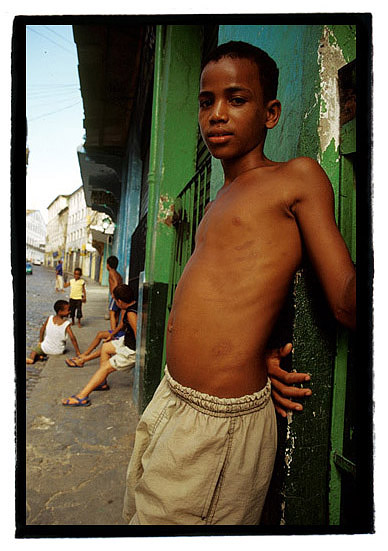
(295, 50)
(128, 218)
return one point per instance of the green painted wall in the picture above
(174, 137)
(172, 163)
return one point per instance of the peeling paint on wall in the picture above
(330, 60)
(166, 210)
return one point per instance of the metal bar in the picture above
(344, 463)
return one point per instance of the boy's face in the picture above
(65, 311)
(77, 275)
(232, 116)
(119, 303)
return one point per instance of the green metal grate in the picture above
(189, 210)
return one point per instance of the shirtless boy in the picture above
(115, 279)
(205, 445)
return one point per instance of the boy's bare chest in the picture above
(240, 214)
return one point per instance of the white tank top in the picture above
(55, 336)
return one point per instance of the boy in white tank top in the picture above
(53, 334)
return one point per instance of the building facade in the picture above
(88, 232)
(57, 216)
(78, 235)
(143, 162)
(35, 236)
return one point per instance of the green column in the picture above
(172, 163)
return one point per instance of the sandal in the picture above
(81, 402)
(70, 362)
(103, 386)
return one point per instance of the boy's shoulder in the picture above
(299, 175)
(289, 182)
(57, 320)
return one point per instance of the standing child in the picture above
(205, 446)
(59, 276)
(115, 279)
(77, 295)
(53, 333)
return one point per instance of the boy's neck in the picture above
(128, 304)
(58, 317)
(235, 167)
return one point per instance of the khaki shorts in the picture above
(199, 459)
(125, 358)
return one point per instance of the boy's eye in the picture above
(238, 101)
(203, 103)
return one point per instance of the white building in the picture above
(57, 213)
(82, 249)
(35, 236)
(78, 235)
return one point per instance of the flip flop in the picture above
(81, 402)
(102, 386)
(71, 363)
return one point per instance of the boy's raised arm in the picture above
(314, 210)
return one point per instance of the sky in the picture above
(54, 114)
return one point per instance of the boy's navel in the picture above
(236, 221)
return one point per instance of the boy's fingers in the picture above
(285, 350)
(291, 391)
(286, 377)
(281, 402)
(280, 410)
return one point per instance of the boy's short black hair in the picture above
(268, 71)
(59, 305)
(113, 262)
(124, 292)
(78, 270)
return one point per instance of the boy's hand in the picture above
(83, 299)
(282, 381)
(108, 338)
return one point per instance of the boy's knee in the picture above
(107, 368)
(104, 347)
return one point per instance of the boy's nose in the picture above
(219, 112)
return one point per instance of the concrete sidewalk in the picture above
(76, 457)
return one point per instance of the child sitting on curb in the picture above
(116, 355)
(53, 334)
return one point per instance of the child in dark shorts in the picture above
(77, 295)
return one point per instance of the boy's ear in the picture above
(274, 109)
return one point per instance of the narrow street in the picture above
(76, 458)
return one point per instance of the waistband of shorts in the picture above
(220, 407)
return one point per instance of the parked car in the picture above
(37, 262)
(28, 268)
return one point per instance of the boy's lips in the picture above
(218, 137)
